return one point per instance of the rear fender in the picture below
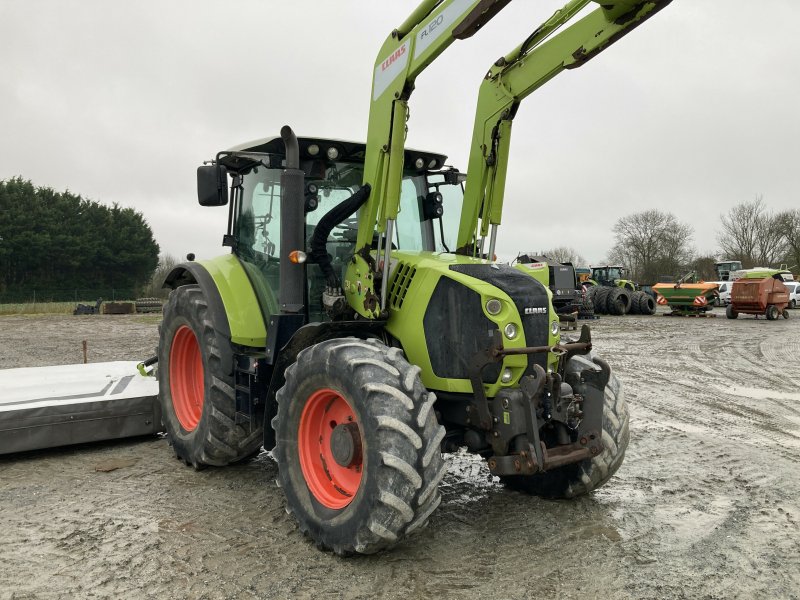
(234, 309)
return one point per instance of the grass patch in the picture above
(38, 308)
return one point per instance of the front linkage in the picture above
(570, 398)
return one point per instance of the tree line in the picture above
(654, 244)
(59, 240)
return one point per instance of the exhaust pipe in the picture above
(292, 275)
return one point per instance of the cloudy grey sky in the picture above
(692, 113)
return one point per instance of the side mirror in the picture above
(212, 185)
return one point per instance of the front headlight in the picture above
(493, 307)
(554, 328)
(511, 331)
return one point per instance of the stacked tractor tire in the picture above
(620, 301)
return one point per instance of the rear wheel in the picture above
(772, 312)
(785, 314)
(358, 445)
(599, 298)
(196, 392)
(586, 309)
(647, 305)
(731, 312)
(618, 301)
(633, 309)
(583, 477)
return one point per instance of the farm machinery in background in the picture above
(611, 293)
(726, 269)
(568, 295)
(688, 296)
(760, 291)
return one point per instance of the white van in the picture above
(724, 291)
(794, 293)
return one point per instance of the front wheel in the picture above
(581, 478)
(196, 391)
(772, 312)
(358, 445)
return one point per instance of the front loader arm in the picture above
(514, 77)
(408, 51)
(428, 31)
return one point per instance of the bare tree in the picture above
(565, 254)
(752, 234)
(154, 289)
(790, 222)
(652, 243)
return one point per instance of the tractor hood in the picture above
(443, 309)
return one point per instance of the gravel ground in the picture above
(705, 505)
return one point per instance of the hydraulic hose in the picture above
(319, 239)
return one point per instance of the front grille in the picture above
(398, 288)
(526, 293)
(456, 330)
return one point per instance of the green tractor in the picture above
(357, 328)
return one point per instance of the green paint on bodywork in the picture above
(406, 323)
(539, 271)
(245, 317)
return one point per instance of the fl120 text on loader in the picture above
(358, 327)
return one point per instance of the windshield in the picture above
(257, 223)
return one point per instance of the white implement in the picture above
(45, 407)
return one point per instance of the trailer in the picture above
(46, 407)
(766, 296)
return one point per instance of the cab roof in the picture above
(345, 151)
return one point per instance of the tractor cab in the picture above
(333, 171)
(725, 269)
(609, 275)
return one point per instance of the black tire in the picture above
(785, 314)
(401, 439)
(731, 312)
(634, 307)
(772, 312)
(215, 438)
(600, 297)
(618, 301)
(586, 308)
(647, 305)
(581, 478)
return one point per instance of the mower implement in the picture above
(359, 329)
(47, 407)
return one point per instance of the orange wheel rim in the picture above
(186, 378)
(329, 443)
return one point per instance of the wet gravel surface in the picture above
(705, 505)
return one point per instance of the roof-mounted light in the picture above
(313, 150)
(332, 153)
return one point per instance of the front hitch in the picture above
(517, 415)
